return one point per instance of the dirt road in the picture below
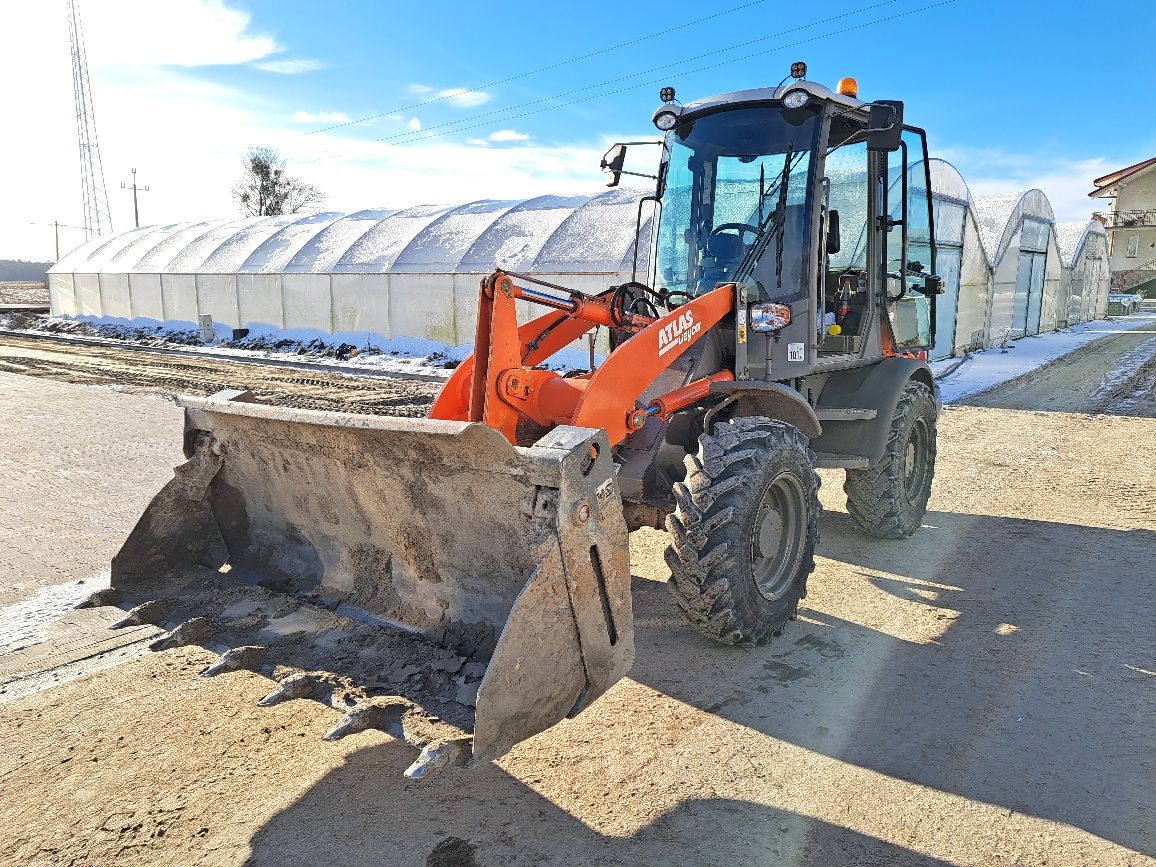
(1115, 375)
(983, 693)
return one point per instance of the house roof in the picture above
(1106, 184)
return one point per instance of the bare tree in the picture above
(265, 190)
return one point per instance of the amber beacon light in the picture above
(847, 87)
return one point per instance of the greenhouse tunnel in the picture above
(409, 277)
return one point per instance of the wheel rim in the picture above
(915, 462)
(777, 542)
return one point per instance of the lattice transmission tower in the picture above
(97, 220)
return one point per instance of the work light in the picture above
(796, 99)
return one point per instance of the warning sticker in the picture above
(604, 493)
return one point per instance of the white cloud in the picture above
(290, 67)
(1065, 180)
(508, 135)
(479, 142)
(414, 124)
(319, 117)
(461, 98)
(173, 33)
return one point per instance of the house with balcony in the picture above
(1131, 225)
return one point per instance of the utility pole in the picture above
(134, 188)
(56, 227)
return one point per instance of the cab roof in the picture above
(766, 94)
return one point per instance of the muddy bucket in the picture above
(426, 577)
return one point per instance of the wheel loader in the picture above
(462, 582)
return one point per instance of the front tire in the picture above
(889, 500)
(744, 530)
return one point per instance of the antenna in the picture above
(97, 220)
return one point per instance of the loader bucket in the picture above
(393, 566)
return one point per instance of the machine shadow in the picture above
(364, 813)
(1032, 689)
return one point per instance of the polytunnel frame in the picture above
(1021, 285)
(284, 278)
(288, 276)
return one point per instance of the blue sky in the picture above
(1016, 94)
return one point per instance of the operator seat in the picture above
(722, 255)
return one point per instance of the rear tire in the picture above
(744, 530)
(889, 500)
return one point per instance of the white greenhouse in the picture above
(373, 275)
(410, 277)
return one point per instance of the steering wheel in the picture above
(740, 228)
(630, 297)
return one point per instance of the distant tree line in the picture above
(19, 271)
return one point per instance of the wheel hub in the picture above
(778, 537)
(915, 467)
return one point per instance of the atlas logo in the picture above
(681, 331)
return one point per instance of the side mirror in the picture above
(832, 231)
(612, 162)
(885, 125)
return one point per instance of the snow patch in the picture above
(24, 623)
(988, 368)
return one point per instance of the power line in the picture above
(481, 87)
(455, 126)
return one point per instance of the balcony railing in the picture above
(1127, 219)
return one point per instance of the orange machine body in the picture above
(499, 385)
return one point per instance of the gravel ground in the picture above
(982, 693)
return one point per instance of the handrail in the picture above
(1122, 277)
(1132, 218)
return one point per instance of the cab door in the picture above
(910, 245)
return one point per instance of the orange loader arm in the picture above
(497, 385)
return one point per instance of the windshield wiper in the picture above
(770, 226)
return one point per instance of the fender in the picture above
(876, 386)
(773, 400)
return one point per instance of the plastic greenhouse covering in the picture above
(378, 274)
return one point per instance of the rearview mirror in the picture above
(885, 125)
(833, 243)
(612, 162)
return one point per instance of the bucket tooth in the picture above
(386, 715)
(438, 755)
(107, 596)
(190, 632)
(147, 613)
(308, 684)
(249, 656)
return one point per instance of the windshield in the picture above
(730, 175)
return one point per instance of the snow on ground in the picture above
(25, 622)
(958, 378)
(986, 369)
(412, 355)
(1137, 364)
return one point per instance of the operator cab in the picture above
(816, 204)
